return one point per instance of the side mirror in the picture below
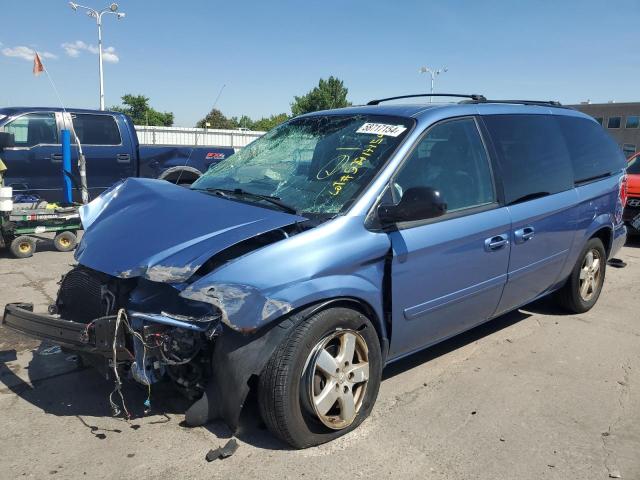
(417, 203)
(7, 140)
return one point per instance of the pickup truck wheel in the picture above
(23, 246)
(65, 241)
(323, 380)
(584, 285)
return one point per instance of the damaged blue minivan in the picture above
(335, 244)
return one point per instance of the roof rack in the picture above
(473, 97)
(542, 103)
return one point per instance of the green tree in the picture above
(137, 107)
(216, 119)
(242, 122)
(267, 123)
(330, 93)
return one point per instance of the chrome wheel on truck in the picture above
(323, 379)
(337, 376)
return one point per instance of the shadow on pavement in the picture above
(61, 389)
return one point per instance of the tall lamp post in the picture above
(433, 74)
(112, 9)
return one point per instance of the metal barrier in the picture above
(195, 136)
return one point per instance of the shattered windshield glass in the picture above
(316, 164)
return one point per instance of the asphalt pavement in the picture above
(533, 394)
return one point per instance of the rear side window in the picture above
(534, 160)
(593, 151)
(96, 129)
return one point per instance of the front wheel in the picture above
(323, 380)
(584, 285)
(23, 246)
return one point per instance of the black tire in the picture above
(282, 388)
(65, 241)
(569, 295)
(23, 246)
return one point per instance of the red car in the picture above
(632, 209)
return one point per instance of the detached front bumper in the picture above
(72, 335)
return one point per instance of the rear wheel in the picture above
(584, 285)
(65, 241)
(323, 380)
(23, 246)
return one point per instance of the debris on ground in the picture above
(616, 263)
(614, 474)
(223, 452)
(53, 350)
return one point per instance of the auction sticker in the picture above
(382, 129)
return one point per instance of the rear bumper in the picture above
(72, 335)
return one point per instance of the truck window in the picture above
(532, 154)
(594, 152)
(34, 129)
(96, 129)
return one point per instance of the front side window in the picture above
(33, 129)
(96, 129)
(317, 164)
(533, 155)
(451, 159)
(614, 122)
(632, 121)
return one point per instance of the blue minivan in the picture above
(339, 242)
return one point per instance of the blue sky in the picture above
(180, 53)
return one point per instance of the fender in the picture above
(179, 169)
(237, 358)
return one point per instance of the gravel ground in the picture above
(533, 394)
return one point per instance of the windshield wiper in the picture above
(529, 196)
(243, 193)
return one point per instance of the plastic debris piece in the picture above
(53, 350)
(223, 452)
(617, 263)
(614, 474)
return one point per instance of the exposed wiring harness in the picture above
(122, 318)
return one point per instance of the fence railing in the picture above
(195, 136)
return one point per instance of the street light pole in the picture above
(113, 9)
(433, 74)
(99, 22)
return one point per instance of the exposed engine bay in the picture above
(147, 347)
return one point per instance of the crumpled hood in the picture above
(153, 228)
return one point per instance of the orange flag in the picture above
(38, 68)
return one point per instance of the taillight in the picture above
(623, 189)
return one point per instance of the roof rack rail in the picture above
(542, 103)
(473, 97)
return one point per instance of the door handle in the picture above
(56, 158)
(524, 234)
(496, 243)
(123, 158)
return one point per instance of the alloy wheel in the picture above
(590, 275)
(337, 374)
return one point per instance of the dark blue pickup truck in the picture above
(110, 146)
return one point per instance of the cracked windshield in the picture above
(317, 164)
